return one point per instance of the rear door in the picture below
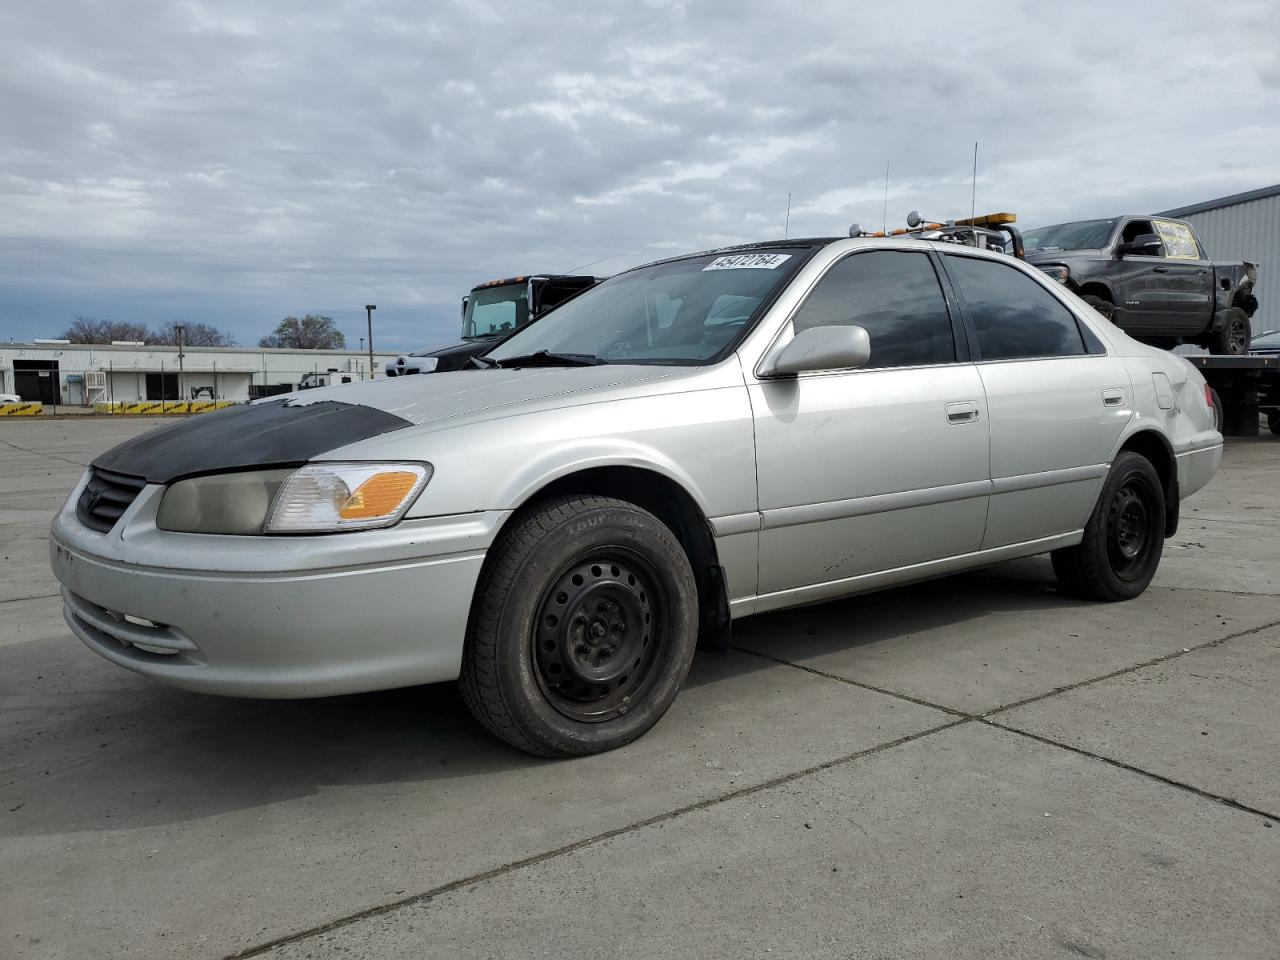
(1056, 401)
(1189, 293)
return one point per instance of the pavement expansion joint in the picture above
(39, 453)
(1111, 761)
(491, 874)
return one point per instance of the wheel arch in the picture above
(671, 500)
(1096, 288)
(1158, 451)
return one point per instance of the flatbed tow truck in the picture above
(1244, 386)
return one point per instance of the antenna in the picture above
(786, 230)
(885, 227)
(973, 197)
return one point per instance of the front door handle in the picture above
(962, 411)
(1160, 269)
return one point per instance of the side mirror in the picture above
(820, 348)
(1143, 245)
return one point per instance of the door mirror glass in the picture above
(821, 348)
(1143, 245)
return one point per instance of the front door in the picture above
(868, 470)
(1141, 285)
(1057, 403)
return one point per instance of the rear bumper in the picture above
(1196, 468)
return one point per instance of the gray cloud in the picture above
(232, 162)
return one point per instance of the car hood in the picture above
(297, 427)
(458, 393)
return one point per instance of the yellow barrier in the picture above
(161, 407)
(20, 409)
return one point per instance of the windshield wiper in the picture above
(545, 358)
(482, 362)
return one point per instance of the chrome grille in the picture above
(106, 497)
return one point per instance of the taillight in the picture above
(1208, 396)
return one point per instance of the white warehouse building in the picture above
(1244, 226)
(73, 374)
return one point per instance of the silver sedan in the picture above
(691, 442)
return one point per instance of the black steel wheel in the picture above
(599, 635)
(1131, 526)
(583, 627)
(1123, 539)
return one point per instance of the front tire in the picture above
(1104, 307)
(582, 629)
(1124, 538)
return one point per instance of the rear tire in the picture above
(1124, 538)
(1104, 307)
(582, 629)
(1233, 338)
(1273, 422)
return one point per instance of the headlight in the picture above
(327, 497)
(319, 498)
(226, 503)
(1058, 272)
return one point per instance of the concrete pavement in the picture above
(921, 734)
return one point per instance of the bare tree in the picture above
(312, 332)
(193, 335)
(92, 330)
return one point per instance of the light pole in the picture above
(179, 330)
(368, 312)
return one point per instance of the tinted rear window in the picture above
(1013, 316)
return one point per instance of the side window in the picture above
(895, 295)
(1014, 317)
(1135, 229)
(1179, 241)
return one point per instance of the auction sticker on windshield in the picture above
(748, 261)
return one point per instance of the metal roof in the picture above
(1259, 194)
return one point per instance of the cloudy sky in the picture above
(235, 162)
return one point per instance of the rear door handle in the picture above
(962, 411)
(1112, 397)
(1161, 269)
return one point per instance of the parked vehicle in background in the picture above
(490, 312)
(1152, 277)
(696, 440)
(1266, 344)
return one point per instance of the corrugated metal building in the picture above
(1244, 226)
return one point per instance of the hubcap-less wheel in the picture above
(1129, 528)
(597, 637)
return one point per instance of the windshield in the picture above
(496, 311)
(680, 312)
(1082, 235)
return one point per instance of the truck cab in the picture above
(490, 312)
(1152, 277)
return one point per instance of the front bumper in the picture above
(273, 616)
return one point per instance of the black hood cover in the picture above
(276, 434)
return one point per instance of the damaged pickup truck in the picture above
(1152, 277)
